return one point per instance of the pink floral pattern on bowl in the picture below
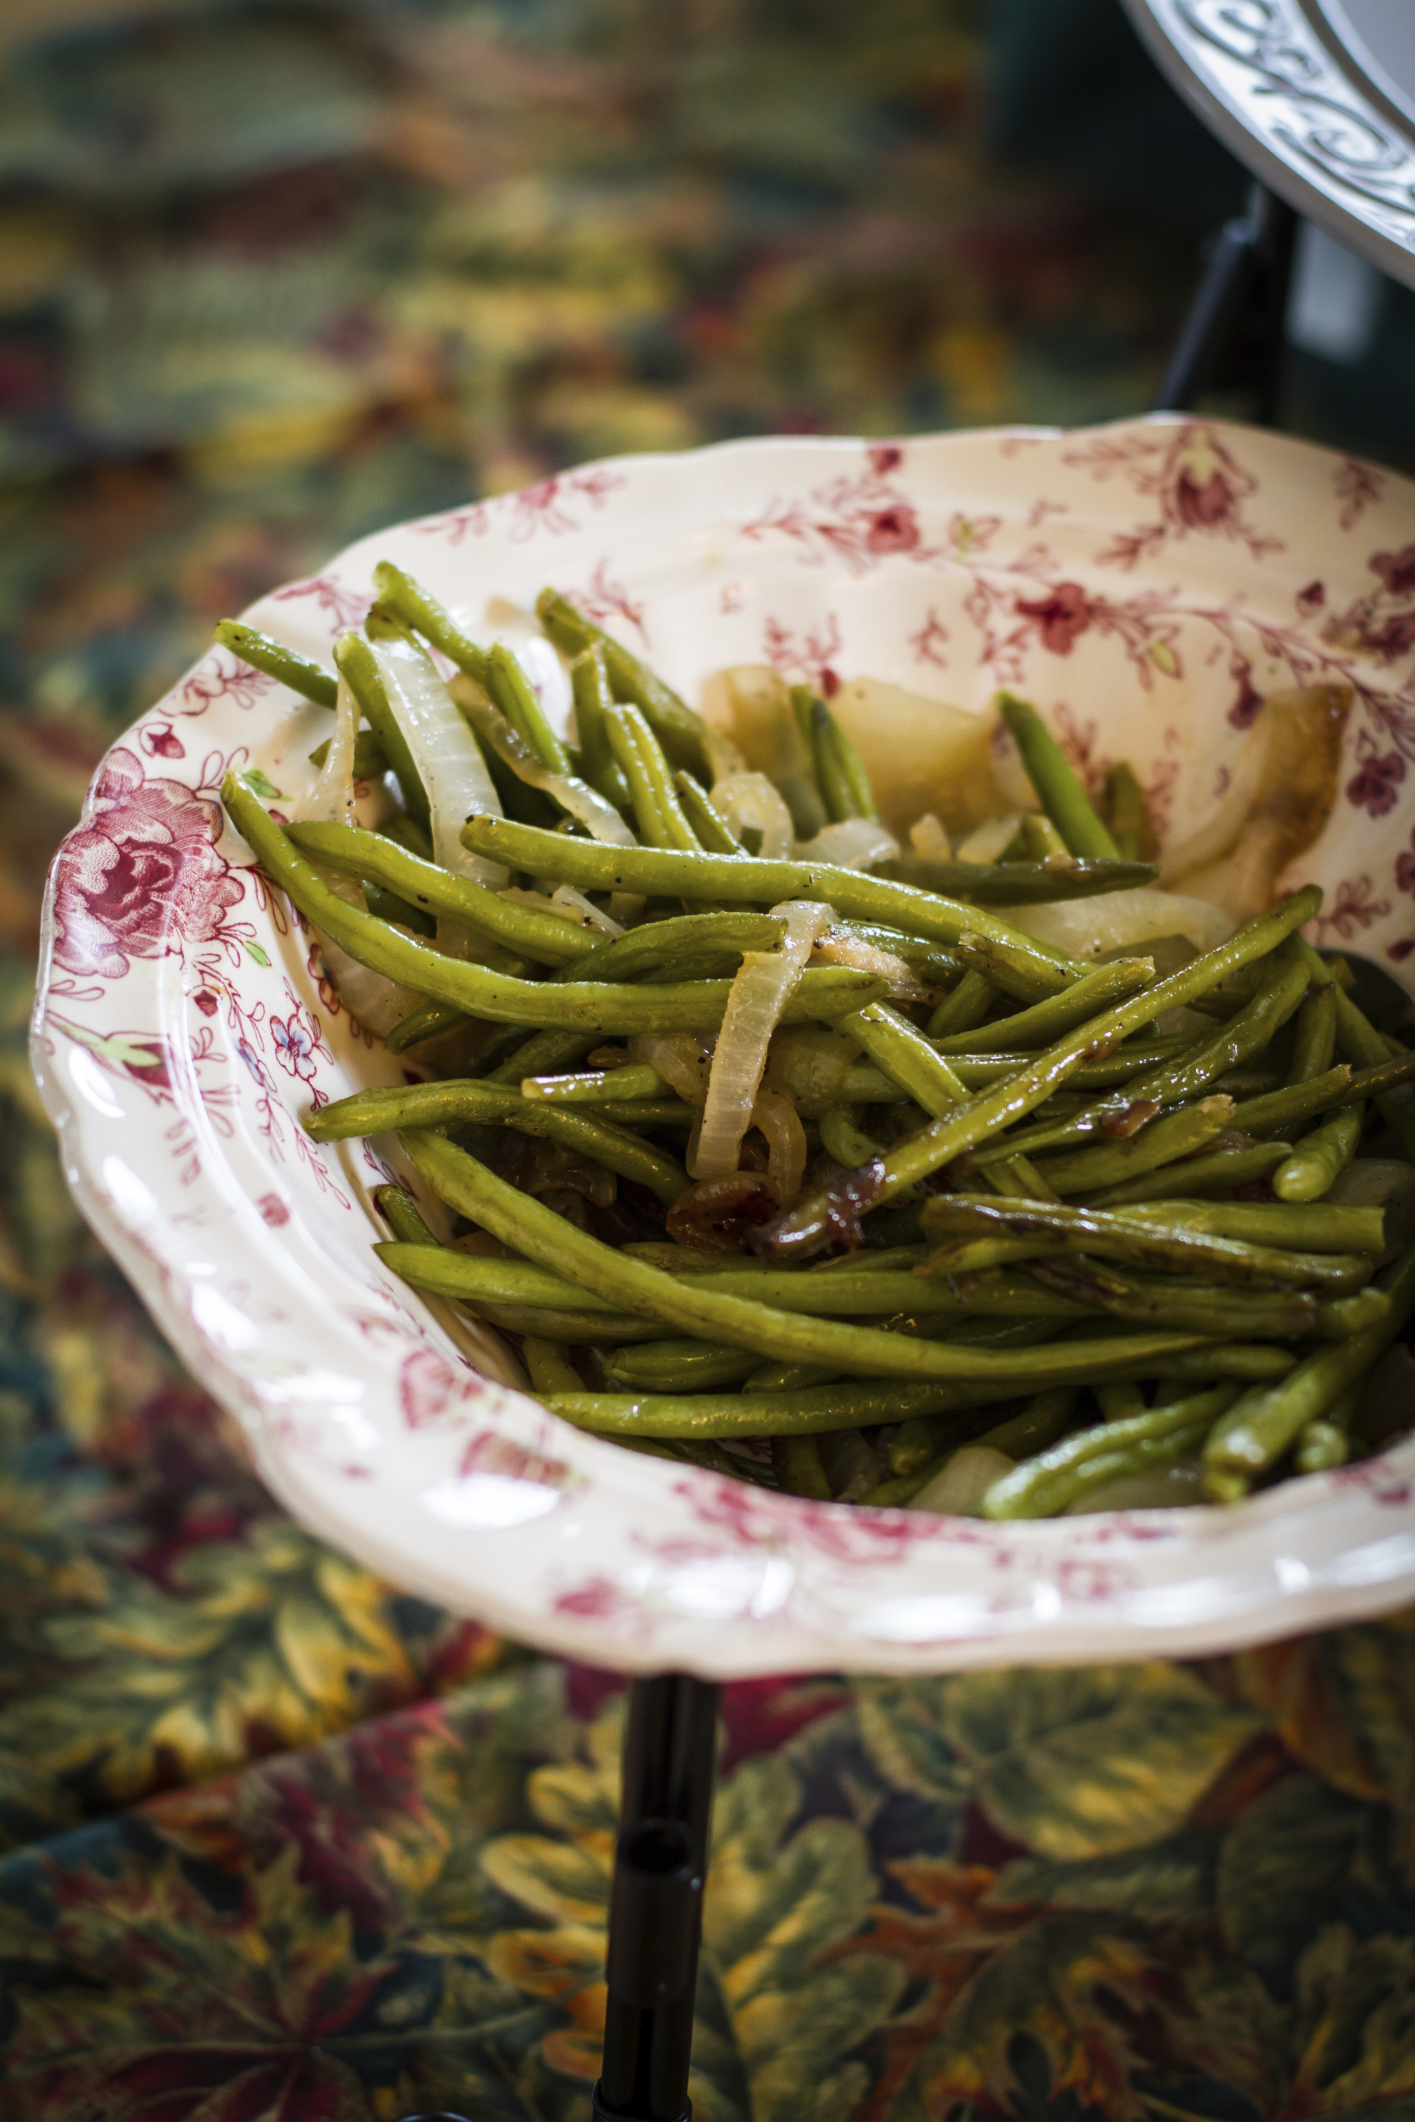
(1147, 584)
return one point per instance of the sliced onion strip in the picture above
(852, 844)
(751, 801)
(446, 755)
(683, 1062)
(779, 1121)
(331, 800)
(761, 989)
(583, 803)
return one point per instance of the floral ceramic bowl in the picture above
(1146, 584)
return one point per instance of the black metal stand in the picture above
(1234, 332)
(656, 1903)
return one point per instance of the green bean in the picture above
(1164, 1141)
(799, 1471)
(695, 1005)
(277, 661)
(842, 1139)
(1359, 1041)
(1314, 1045)
(1139, 1444)
(1328, 1229)
(551, 1370)
(483, 1278)
(649, 1112)
(1118, 1402)
(1340, 1317)
(844, 785)
(1043, 1419)
(1127, 812)
(355, 853)
(604, 1086)
(358, 666)
(1218, 1311)
(682, 734)
(370, 760)
(1039, 1424)
(389, 907)
(658, 814)
(544, 1237)
(1320, 1158)
(454, 1104)
(870, 1086)
(1260, 1427)
(1290, 1107)
(513, 693)
(788, 1377)
(593, 699)
(1005, 883)
(661, 872)
(809, 1224)
(403, 1216)
(710, 829)
(914, 1444)
(1016, 1176)
(965, 1008)
(1215, 1174)
(708, 938)
(1047, 1020)
(1325, 1443)
(905, 1055)
(404, 831)
(418, 608)
(1013, 967)
(1058, 790)
(678, 1367)
(1280, 990)
(1141, 1241)
(584, 1329)
(933, 963)
(429, 1021)
(539, 1054)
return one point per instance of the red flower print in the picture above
(1392, 639)
(141, 877)
(273, 1210)
(1373, 786)
(295, 1049)
(1405, 868)
(885, 457)
(1200, 504)
(206, 1002)
(893, 530)
(162, 743)
(1060, 617)
(1311, 599)
(1396, 570)
(1244, 711)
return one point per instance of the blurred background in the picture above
(274, 275)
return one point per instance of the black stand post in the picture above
(1234, 332)
(656, 1903)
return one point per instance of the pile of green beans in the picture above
(1113, 1226)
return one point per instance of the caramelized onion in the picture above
(760, 991)
(777, 1118)
(720, 1215)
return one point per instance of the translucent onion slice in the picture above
(761, 989)
(583, 803)
(683, 1062)
(331, 800)
(837, 948)
(852, 844)
(1088, 928)
(446, 755)
(780, 1122)
(748, 801)
(375, 1003)
(929, 840)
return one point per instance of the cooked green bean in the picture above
(695, 1005)
(1260, 1427)
(905, 1055)
(1141, 1241)
(678, 942)
(539, 1054)
(1320, 1158)
(1326, 1442)
(841, 779)
(843, 1140)
(429, 1021)
(798, 1467)
(453, 1104)
(710, 829)
(788, 1377)
(1360, 1042)
(550, 1369)
(682, 734)
(1058, 790)
(1012, 967)
(513, 693)
(1128, 813)
(661, 872)
(532, 934)
(1328, 1229)
(358, 666)
(403, 1216)
(605, 1086)
(810, 1223)
(1143, 1443)
(287, 664)
(658, 815)
(1280, 989)
(677, 1367)
(593, 699)
(1192, 1307)
(543, 1236)
(1164, 1141)
(1045, 1021)
(419, 609)
(1215, 1174)
(963, 1009)
(1006, 883)
(370, 759)
(586, 1329)
(1314, 1043)
(1117, 1402)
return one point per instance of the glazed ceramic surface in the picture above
(1146, 584)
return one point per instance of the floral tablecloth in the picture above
(281, 1842)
